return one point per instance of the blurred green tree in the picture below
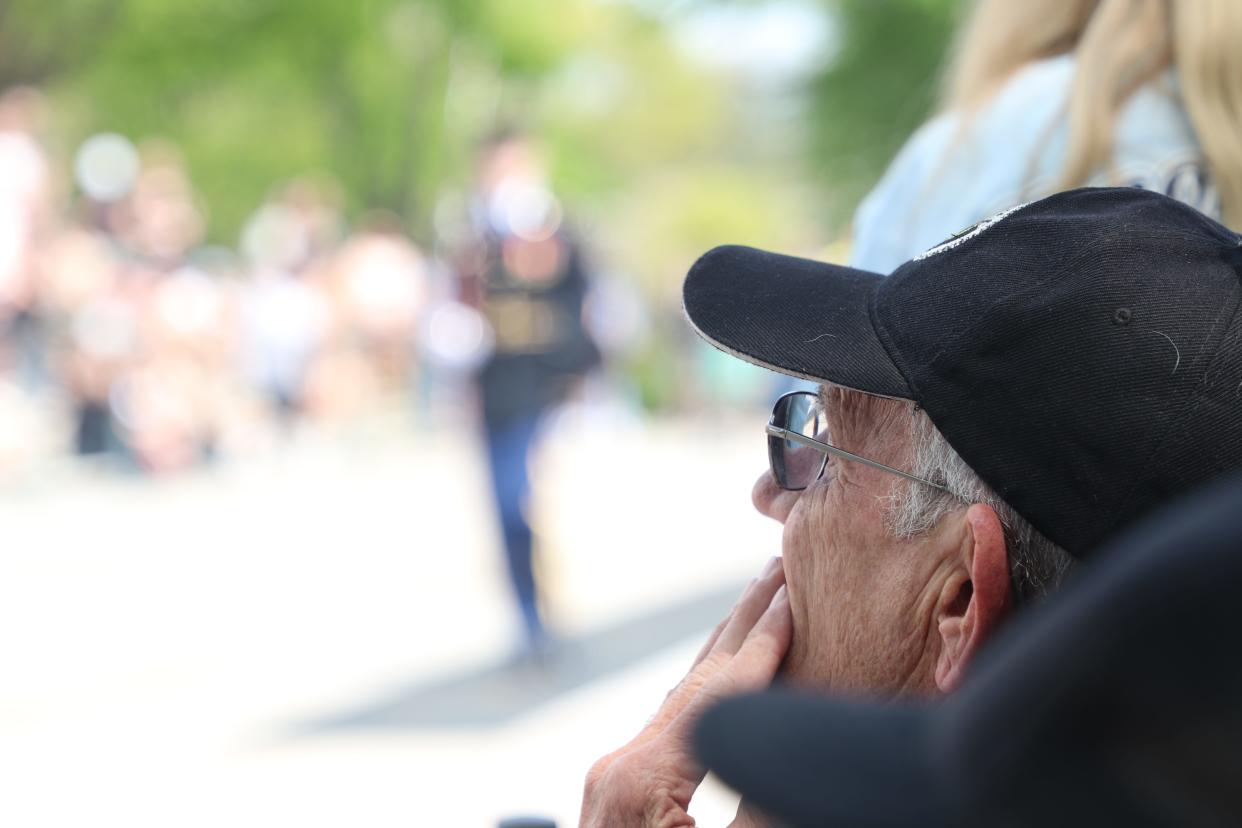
(878, 87)
(257, 91)
(660, 157)
(389, 96)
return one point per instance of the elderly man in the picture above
(989, 414)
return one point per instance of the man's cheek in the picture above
(796, 580)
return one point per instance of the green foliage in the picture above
(39, 40)
(259, 91)
(389, 98)
(880, 86)
(658, 158)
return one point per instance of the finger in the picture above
(750, 608)
(765, 647)
(715, 634)
(733, 628)
(724, 622)
(752, 668)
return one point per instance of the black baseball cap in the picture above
(1082, 353)
(1117, 702)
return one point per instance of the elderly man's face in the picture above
(863, 601)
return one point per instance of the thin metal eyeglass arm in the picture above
(777, 431)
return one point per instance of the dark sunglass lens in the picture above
(776, 446)
(795, 465)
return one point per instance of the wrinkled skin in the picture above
(863, 611)
(859, 596)
(649, 782)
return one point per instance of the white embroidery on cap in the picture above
(968, 233)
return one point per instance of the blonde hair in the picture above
(1119, 45)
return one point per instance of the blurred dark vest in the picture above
(532, 293)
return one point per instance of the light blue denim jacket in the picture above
(947, 177)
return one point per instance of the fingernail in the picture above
(781, 596)
(772, 565)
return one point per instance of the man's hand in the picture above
(649, 782)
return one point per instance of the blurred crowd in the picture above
(124, 335)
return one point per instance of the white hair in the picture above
(1037, 566)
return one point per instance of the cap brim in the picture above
(800, 317)
(809, 760)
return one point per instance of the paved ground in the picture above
(314, 637)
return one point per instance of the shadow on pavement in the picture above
(494, 694)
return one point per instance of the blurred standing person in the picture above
(286, 312)
(25, 212)
(94, 333)
(162, 401)
(177, 391)
(379, 283)
(526, 275)
(1048, 95)
(87, 299)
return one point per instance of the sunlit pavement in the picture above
(202, 650)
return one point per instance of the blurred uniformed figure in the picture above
(526, 276)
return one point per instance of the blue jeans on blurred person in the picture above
(508, 449)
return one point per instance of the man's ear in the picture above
(976, 598)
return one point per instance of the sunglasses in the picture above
(797, 452)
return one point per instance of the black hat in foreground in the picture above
(1119, 702)
(1082, 353)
